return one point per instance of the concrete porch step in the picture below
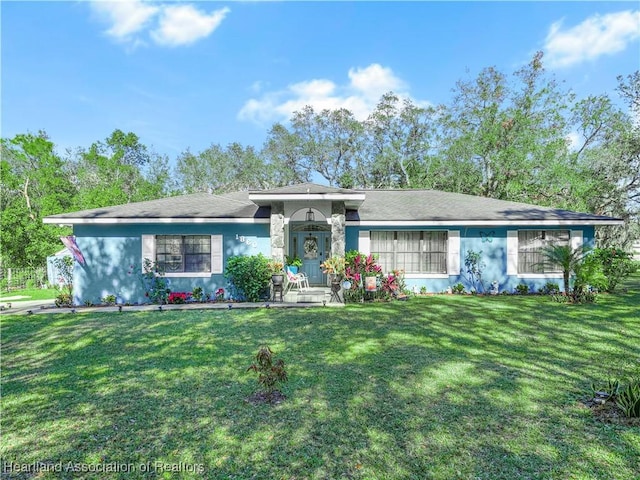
(310, 295)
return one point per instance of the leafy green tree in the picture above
(510, 131)
(249, 171)
(221, 170)
(111, 173)
(282, 154)
(609, 160)
(35, 184)
(159, 177)
(399, 150)
(329, 143)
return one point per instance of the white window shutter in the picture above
(216, 254)
(148, 248)
(512, 252)
(453, 252)
(364, 242)
(576, 239)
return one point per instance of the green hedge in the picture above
(249, 277)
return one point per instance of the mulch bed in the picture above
(609, 412)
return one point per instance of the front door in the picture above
(313, 248)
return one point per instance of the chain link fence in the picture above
(18, 278)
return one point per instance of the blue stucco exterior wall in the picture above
(113, 255)
(492, 242)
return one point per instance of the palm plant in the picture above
(569, 259)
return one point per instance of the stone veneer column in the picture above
(276, 231)
(338, 228)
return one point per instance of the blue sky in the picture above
(188, 74)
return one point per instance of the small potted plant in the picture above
(293, 264)
(334, 267)
(276, 268)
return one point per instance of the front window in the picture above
(184, 253)
(530, 249)
(411, 251)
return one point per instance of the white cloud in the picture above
(184, 24)
(375, 80)
(596, 36)
(126, 17)
(574, 141)
(166, 24)
(360, 95)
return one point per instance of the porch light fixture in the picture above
(310, 216)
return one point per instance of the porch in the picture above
(318, 295)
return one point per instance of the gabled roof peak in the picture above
(302, 188)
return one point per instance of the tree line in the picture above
(520, 137)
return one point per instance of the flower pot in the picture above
(277, 279)
(293, 269)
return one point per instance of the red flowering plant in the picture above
(179, 297)
(393, 283)
(358, 266)
(219, 296)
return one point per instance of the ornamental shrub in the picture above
(109, 299)
(197, 294)
(271, 372)
(153, 281)
(475, 266)
(360, 265)
(629, 398)
(64, 299)
(550, 288)
(249, 277)
(615, 265)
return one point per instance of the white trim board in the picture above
(524, 223)
(271, 197)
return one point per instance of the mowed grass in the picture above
(30, 294)
(440, 387)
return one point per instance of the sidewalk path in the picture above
(22, 306)
(47, 306)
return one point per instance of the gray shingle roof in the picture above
(433, 205)
(379, 205)
(197, 205)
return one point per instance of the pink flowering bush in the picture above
(360, 265)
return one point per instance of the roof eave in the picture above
(482, 223)
(352, 200)
(147, 220)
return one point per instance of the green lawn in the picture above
(440, 387)
(30, 294)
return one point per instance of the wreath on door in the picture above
(310, 247)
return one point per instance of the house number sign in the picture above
(246, 240)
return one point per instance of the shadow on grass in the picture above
(440, 387)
